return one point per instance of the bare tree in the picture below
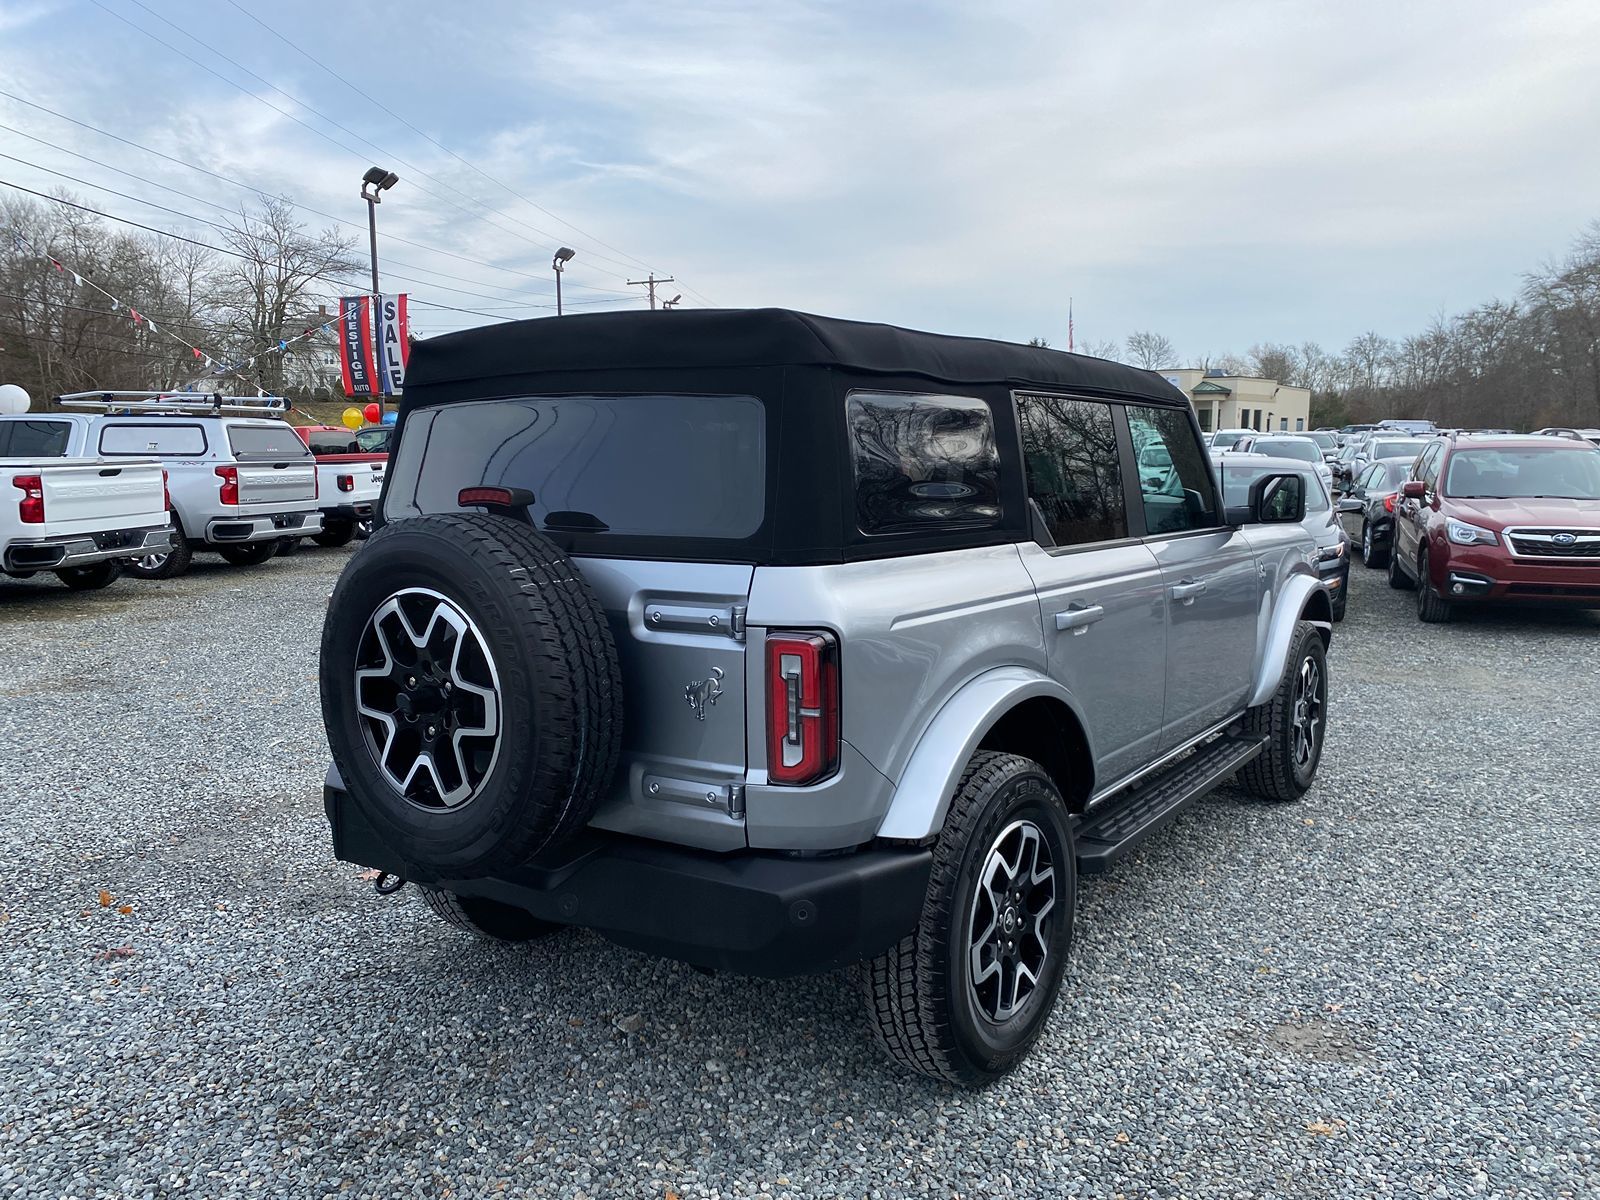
(271, 291)
(1102, 349)
(1151, 350)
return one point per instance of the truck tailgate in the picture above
(88, 495)
(365, 474)
(276, 484)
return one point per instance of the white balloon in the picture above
(13, 399)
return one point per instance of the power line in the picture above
(239, 183)
(321, 116)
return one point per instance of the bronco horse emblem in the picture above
(703, 692)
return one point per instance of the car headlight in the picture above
(1331, 553)
(1463, 534)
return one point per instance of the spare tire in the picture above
(470, 691)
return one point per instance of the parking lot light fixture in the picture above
(558, 264)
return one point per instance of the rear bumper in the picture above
(358, 510)
(258, 527)
(1489, 574)
(751, 912)
(80, 550)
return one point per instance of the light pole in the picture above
(559, 264)
(374, 181)
(669, 305)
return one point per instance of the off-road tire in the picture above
(175, 563)
(1373, 555)
(920, 1004)
(249, 554)
(488, 919)
(1398, 579)
(91, 578)
(1274, 774)
(335, 533)
(561, 707)
(1432, 608)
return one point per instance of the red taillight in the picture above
(473, 497)
(230, 484)
(346, 483)
(166, 492)
(31, 507)
(802, 707)
(1388, 503)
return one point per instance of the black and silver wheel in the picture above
(1372, 554)
(488, 919)
(1432, 608)
(92, 577)
(471, 692)
(1398, 579)
(964, 997)
(1293, 722)
(429, 697)
(165, 564)
(250, 554)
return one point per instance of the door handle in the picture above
(1079, 617)
(1186, 590)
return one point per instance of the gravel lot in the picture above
(1392, 988)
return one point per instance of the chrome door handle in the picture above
(1079, 617)
(1186, 590)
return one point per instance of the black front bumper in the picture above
(751, 912)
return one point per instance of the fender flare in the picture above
(1297, 593)
(928, 783)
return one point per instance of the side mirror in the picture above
(1278, 500)
(1350, 504)
(1413, 489)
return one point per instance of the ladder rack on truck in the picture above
(176, 403)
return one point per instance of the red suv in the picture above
(1499, 518)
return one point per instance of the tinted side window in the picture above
(1427, 467)
(1070, 450)
(34, 439)
(265, 442)
(156, 437)
(922, 462)
(1174, 478)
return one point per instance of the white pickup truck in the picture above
(82, 518)
(240, 480)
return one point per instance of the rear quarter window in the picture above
(922, 462)
(34, 439)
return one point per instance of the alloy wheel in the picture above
(152, 562)
(429, 699)
(1010, 922)
(1306, 718)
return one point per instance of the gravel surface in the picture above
(1391, 988)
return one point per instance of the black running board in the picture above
(1118, 825)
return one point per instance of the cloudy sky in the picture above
(1224, 173)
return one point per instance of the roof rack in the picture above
(180, 403)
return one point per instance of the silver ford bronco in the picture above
(776, 644)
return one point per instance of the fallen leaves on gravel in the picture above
(106, 898)
(114, 952)
(368, 876)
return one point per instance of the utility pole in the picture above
(651, 284)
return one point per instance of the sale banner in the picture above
(394, 343)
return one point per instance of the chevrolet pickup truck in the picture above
(79, 518)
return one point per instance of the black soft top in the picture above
(720, 339)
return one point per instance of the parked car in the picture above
(80, 518)
(904, 637)
(349, 481)
(239, 484)
(1287, 445)
(1375, 447)
(1491, 519)
(1238, 473)
(1587, 435)
(1225, 439)
(1370, 501)
(1327, 441)
(1409, 427)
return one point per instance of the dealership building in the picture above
(1242, 401)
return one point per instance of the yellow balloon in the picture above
(353, 419)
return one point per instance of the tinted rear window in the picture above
(329, 441)
(640, 465)
(922, 462)
(34, 439)
(1283, 448)
(153, 438)
(261, 442)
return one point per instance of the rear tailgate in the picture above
(277, 485)
(365, 473)
(99, 494)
